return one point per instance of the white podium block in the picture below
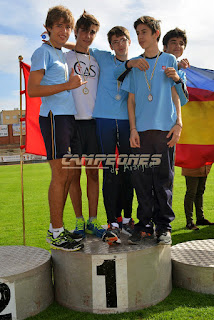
(193, 265)
(110, 279)
(26, 286)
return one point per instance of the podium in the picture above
(26, 286)
(193, 265)
(111, 279)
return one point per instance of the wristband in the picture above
(132, 129)
(179, 81)
(178, 124)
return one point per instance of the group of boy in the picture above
(86, 113)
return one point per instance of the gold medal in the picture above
(85, 90)
(150, 97)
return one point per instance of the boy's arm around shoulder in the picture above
(35, 89)
(124, 68)
(69, 45)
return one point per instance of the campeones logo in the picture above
(112, 160)
(81, 69)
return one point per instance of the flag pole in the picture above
(21, 152)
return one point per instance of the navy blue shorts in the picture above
(60, 135)
(88, 136)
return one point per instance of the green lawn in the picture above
(180, 304)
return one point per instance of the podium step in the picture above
(26, 286)
(111, 279)
(193, 265)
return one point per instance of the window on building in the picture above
(7, 117)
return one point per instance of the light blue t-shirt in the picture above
(53, 62)
(181, 88)
(158, 114)
(106, 104)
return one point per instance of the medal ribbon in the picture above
(84, 77)
(153, 71)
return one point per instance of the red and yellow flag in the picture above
(196, 144)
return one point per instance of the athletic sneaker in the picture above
(94, 227)
(74, 236)
(49, 236)
(80, 227)
(63, 242)
(138, 236)
(164, 237)
(128, 228)
(112, 235)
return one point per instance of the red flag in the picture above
(34, 142)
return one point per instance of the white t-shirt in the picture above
(89, 70)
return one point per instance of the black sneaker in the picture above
(64, 242)
(69, 234)
(139, 236)
(164, 237)
(75, 236)
(112, 235)
(128, 228)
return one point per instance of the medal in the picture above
(150, 97)
(85, 90)
(118, 97)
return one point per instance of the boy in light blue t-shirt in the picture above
(49, 79)
(155, 128)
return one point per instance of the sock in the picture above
(126, 220)
(80, 217)
(50, 228)
(57, 231)
(115, 224)
(92, 218)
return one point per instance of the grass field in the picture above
(180, 304)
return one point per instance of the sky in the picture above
(21, 24)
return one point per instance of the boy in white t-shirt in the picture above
(87, 67)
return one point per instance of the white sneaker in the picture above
(164, 237)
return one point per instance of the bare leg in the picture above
(92, 190)
(57, 192)
(75, 191)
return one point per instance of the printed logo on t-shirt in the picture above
(82, 69)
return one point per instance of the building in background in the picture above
(10, 116)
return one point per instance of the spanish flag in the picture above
(196, 144)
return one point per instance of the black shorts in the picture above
(88, 137)
(60, 135)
